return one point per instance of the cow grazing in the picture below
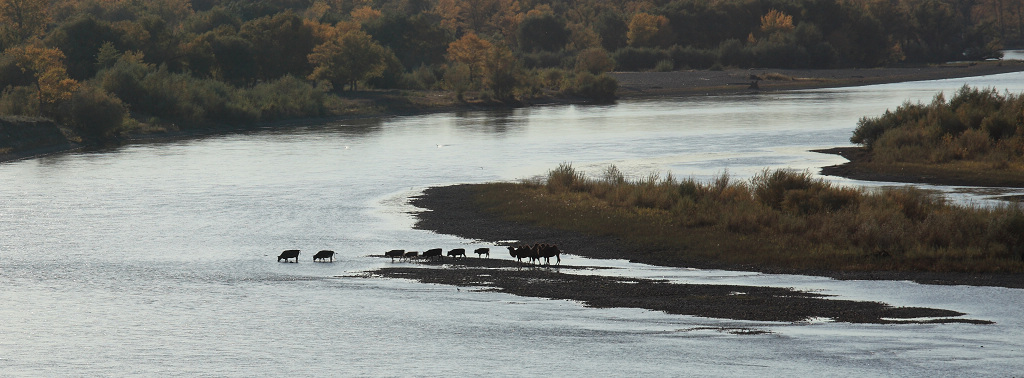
(480, 252)
(399, 253)
(289, 254)
(324, 255)
(432, 253)
(455, 253)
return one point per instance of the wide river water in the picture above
(160, 259)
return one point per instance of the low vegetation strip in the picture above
(974, 138)
(779, 221)
(716, 301)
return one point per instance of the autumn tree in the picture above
(46, 65)
(776, 21)
(470, 50)
(21, 19)
(648, 30)
(352, 57)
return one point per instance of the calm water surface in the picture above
(159, 259)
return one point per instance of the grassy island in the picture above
(975, 138)
(778, 220)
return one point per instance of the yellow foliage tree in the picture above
(648, 30)
(470, 50)
(47, 67)
(362, 15)
(776, 21)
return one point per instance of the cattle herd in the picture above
(520, 252)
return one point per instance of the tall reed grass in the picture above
(777, 218)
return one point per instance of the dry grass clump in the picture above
(777, 218)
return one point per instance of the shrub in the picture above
(594, 60)
(94, 113)
(638, 59)
(19, 101)
(599, 88)
(690, 57)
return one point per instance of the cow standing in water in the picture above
(323, 255)
(289, 254)
(399, 253)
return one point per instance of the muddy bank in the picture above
(860, 167)
(452, 210)
(713, 301)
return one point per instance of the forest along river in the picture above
(160, 258)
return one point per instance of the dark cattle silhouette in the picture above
(289, 254)
(323, 255)
(395, 253)
(547, 251)
(432, 253)
(480, 252)
(411, 254)
(455, 253)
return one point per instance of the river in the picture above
(160, 259)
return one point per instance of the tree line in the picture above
(105, 65)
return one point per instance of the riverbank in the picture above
(370, 104)
(454, 210)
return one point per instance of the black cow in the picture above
(432, 253)
(411, 255)
(395, 253)
(480, 252)
(455, 253)
(289, 254)
(323, 255)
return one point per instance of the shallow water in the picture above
(160, 258)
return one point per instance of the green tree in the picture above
(503, 73)
(352, 57)
(281, 43)
(543, 32)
